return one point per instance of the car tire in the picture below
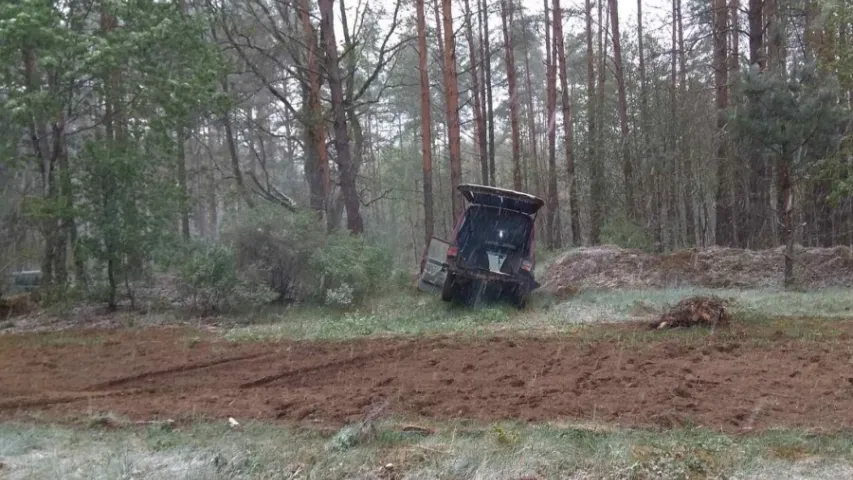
(522, 295)
(448, 290)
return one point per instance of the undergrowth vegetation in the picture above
(454, 450)
(408, 312)
(266, 256)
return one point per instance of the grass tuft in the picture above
(507, 450)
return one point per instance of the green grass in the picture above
(62, 338)
(410, 314)
(456, 450)
(620, 305)
(414, 313)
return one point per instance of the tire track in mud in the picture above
(55, 398)
(354, 360)
(176, 369)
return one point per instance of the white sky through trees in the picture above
(657, 15)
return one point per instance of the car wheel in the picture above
(522, 294)
(449, 288)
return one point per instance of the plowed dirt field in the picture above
(176, 373)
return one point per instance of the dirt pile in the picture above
(607, 267)
(695, 312)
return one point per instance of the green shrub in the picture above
(347, 269)
(273, 247)
(620, 231)
(208, 279)
(292, 255)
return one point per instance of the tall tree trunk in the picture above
(627, 168)
(60, 153)
(452, 105)
(346, 171)
(755, 17)
(643, 148)
(600, 188)
(112, 127)
(595, 166)
(672, 163)
(554, 236)
(568, 127)
(479, 120)
(42, 152)
(506, 20)
(784, 159)
(315, 146)
(690, 186)
(533, 149)
(180, 139)
(734, 59)
(758, 178)
(786, 212)
(725, 233)
(775, 37)
(642, 60)
(487, 84)
(426, 123)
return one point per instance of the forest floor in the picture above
(409, 387)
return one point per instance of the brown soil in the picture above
(612, 267)
(716, 382)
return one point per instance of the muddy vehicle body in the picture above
(491, 251)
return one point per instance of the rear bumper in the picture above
(485, 276)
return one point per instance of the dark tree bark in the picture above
(452, 95)
(533, 149)
(688, 194)
(627, 168)
(506, 20)
(426, 123)
(785, 202)
(315, 135)
(597, 188)
(726, 233)
(46, 164)
(759, 179)
(487, 90)
(734, 58)
(755, 18)
(352, 203)
(642, 61)
(554, 237)
(234, 155)
(114, 136)
(592, 160)
(568, 127)
(182, 183)
(479, 121)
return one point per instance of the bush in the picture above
(625, 233)
(207, 276)
(291, 255)
(209, 279)
(346, 269)
(273, 248)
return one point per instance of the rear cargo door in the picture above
(434, 266)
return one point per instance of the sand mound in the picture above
(695, 312)
(608, 267)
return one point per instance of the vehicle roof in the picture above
(501, 198)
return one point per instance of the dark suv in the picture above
(492, 248)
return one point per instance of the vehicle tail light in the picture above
(527, 265)
(452, 251)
